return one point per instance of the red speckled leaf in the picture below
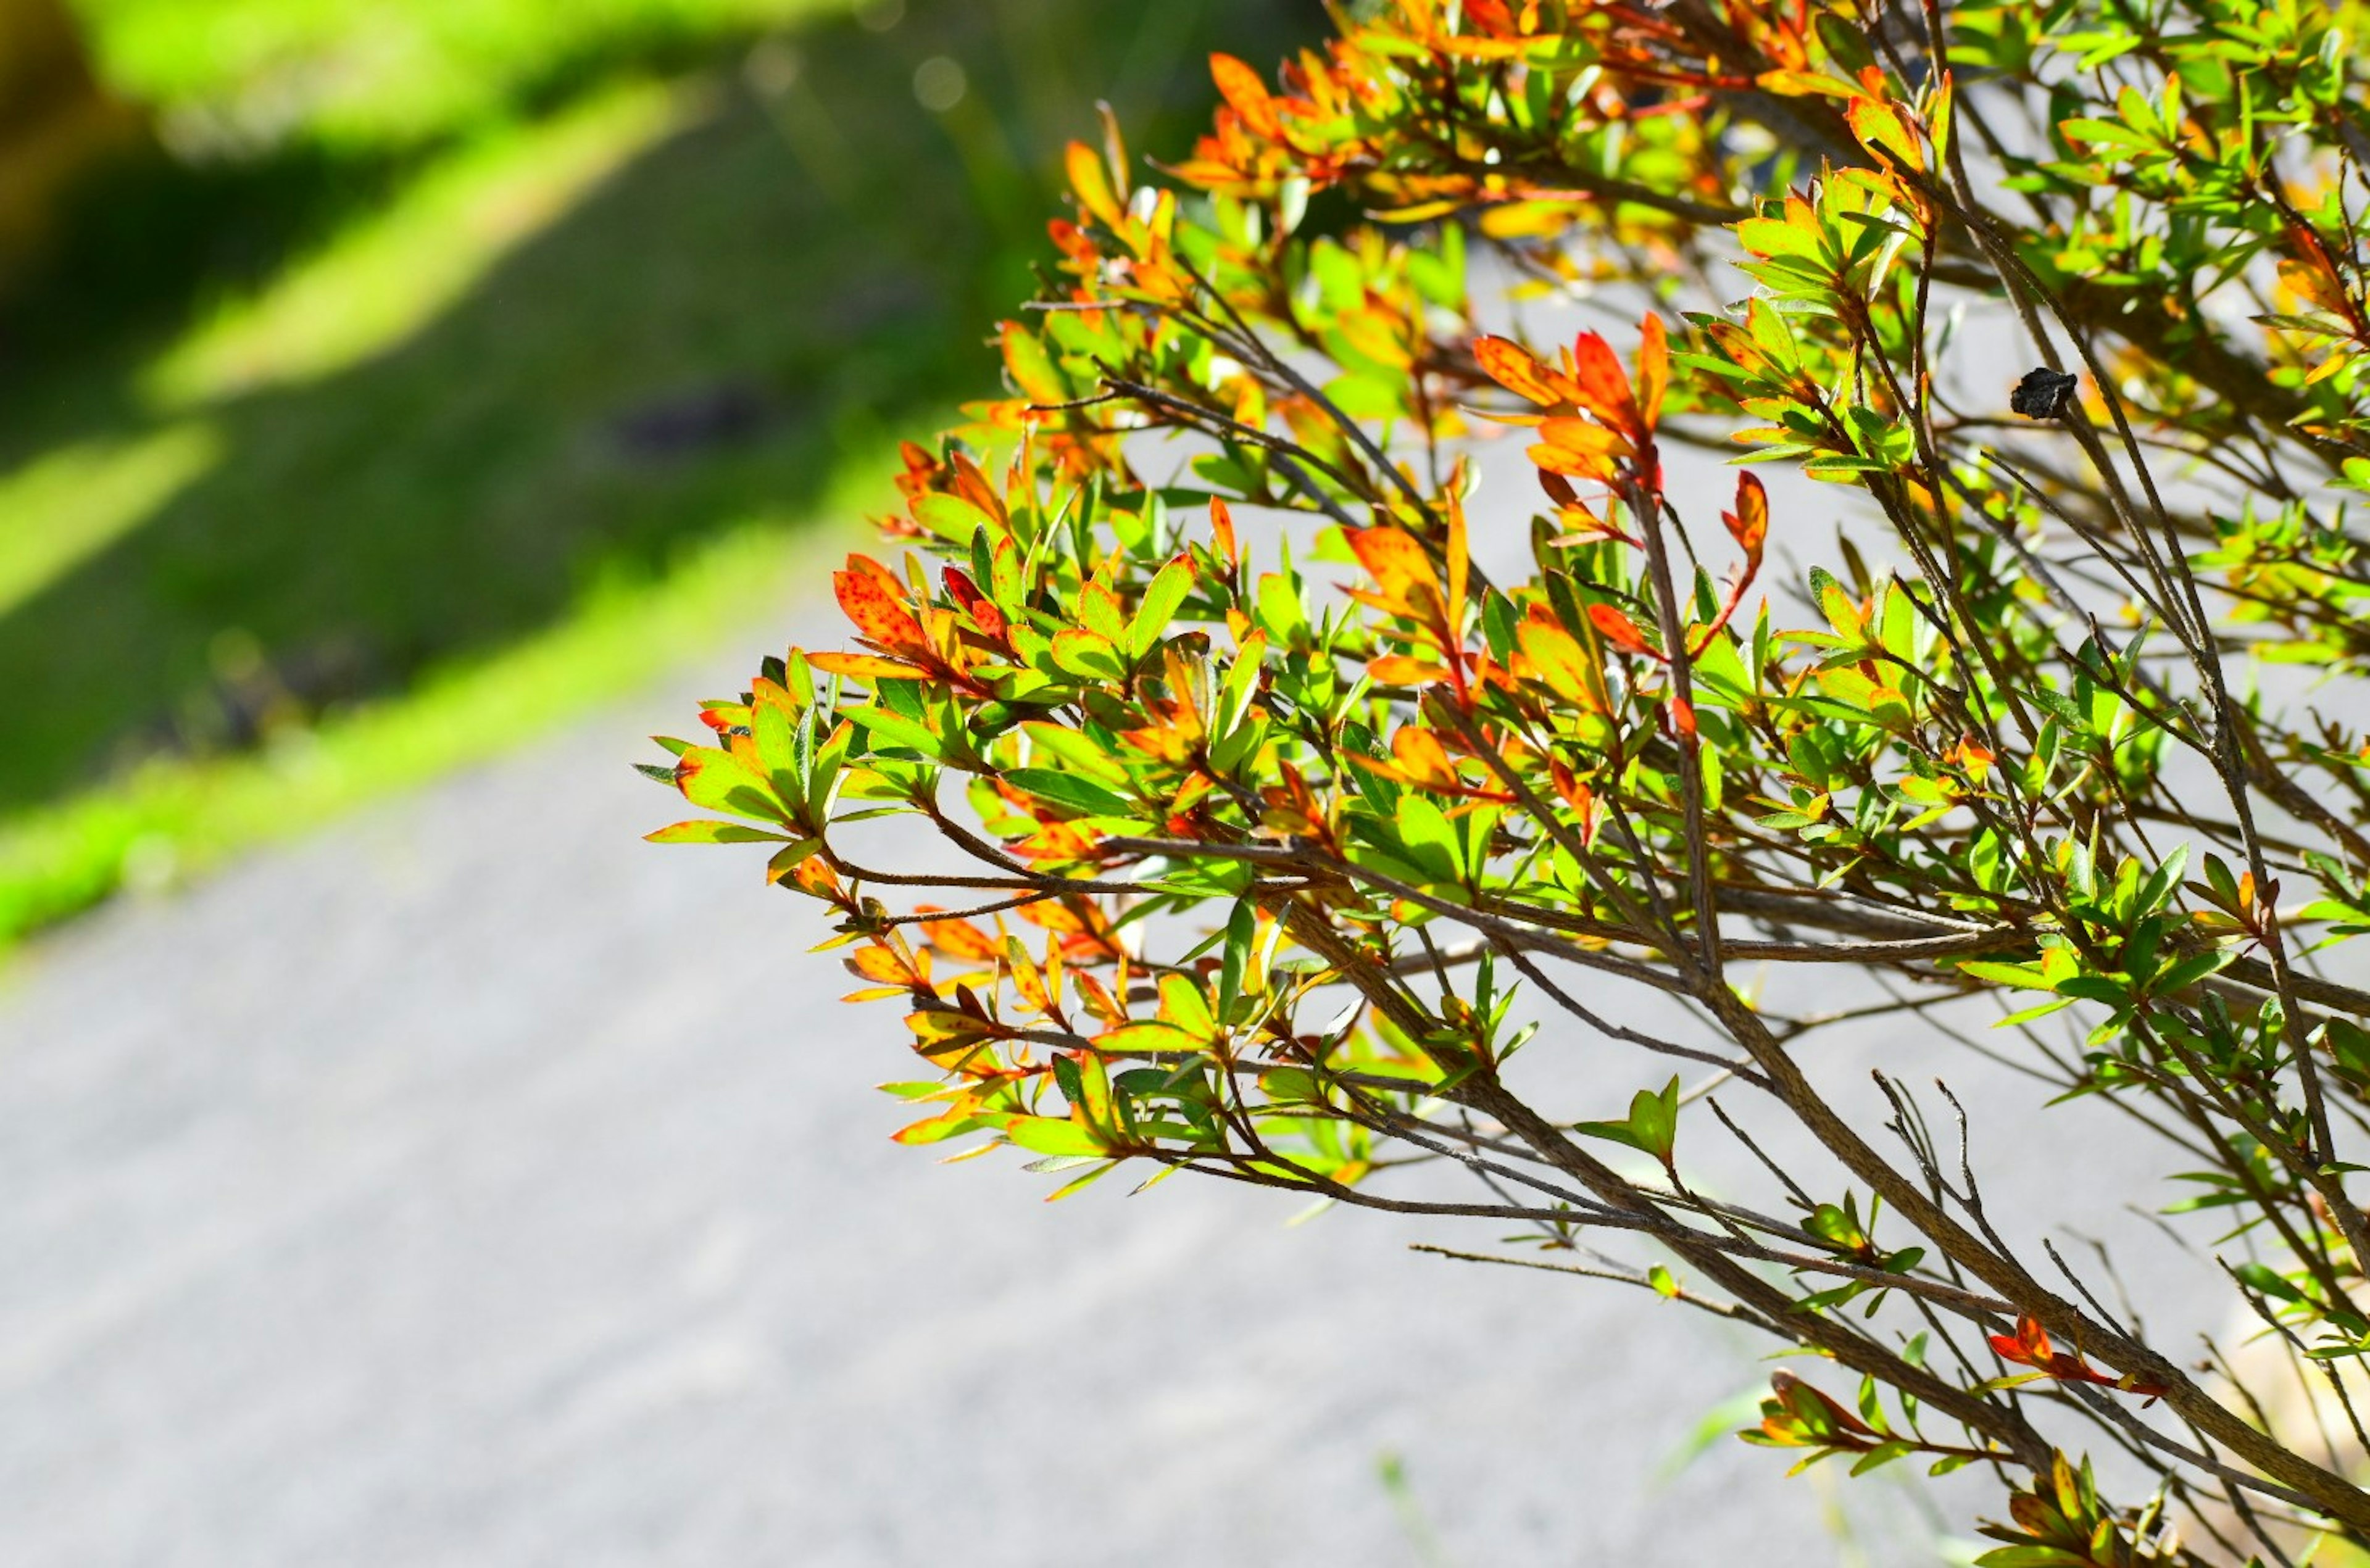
(878, 614)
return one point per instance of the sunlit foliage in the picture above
(1269, 825)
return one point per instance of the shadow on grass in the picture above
(805, 261)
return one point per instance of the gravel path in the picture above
(474, 1185)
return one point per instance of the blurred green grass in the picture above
(465, 362)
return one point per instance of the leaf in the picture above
(2023, 976)
(1653, 368)
(1882, 131)
(1558, 658)
(876, 615)
(1221, 531)
(2268, 1283)
(1398, 564)
(890, 727)
(1184, 1005)
(705, 831)
(951, 519)
(1749, 523)
(1246, 94)
(867, 667)
(1032, 368)
(1421, 758)
(719, 781)
(1515, 368)
(1068, 789)
(1162, 595)
(983, 612)
(1653, 1127)
(1050, 1135)
(1459, 558)
(1604, 384)
(1092, 184)
(1399, 669)
(1149, 1036)
(1089, 654)
(1618, 629)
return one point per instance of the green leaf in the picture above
(1162, 595)
(1653, 1127)
(1089, 654)
(708, 831)
(1068, 789)
(1053, 1135)
(951, 517)
(894, 729)
(717, 779)
(2023, 976)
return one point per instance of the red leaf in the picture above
(1604, 384)
(982, 609)
(1618, 629)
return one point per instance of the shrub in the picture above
(1274, 823)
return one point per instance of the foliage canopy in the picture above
(1273, 821)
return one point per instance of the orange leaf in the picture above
(1618, 629)
(1584, 438)
(2028, 1346)
(1397, 563)
(961, 939)
(1423, 759)
(865, 666)
(1749, 523)
(1604, 384)
(1056, 842)
(1398, 670)
(1221, 531)
(1460, 561)
(875, 612)
(882, 965)
(1653, 368)
(1515, 368)
(1098, 1000)
(1577, 795)
(1552, 459)
(1246, 94)
(1882, 131)
(2311, 279)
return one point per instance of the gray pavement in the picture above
(475, 1184)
